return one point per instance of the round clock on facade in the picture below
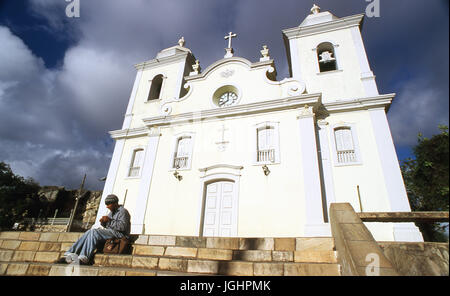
(226, 95)
(227, 99)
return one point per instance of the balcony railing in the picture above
(266, 155)
(180, 162)
(346, 156)
(134, 172)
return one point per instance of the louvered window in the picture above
(266, 144)
(345, 147)
(182, 153)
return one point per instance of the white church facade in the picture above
(229, 151)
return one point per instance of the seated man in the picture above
(116, 225)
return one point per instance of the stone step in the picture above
(244, 255)
(46, 269)
(176, 268)
(149, 260)
(29, 253)
(47, 252)
(179, 264)
(12, 238)
(232, 267)
(274, 244)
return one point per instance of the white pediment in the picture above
(253, 82)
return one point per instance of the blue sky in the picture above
(65, 82)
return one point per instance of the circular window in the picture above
(225, 96)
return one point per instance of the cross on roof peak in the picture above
(229, 36)
(229, 50)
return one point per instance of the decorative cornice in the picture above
(218, 63)
(162, 61)
(345, 22)
(305, 112)
(128, 133)
(381, 101)
(310, 103)
(228, 166)
(313, 100)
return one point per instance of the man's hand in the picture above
(104, 219)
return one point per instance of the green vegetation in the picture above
(18, 197)
(426, 178)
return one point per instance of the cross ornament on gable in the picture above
(229, 36)
(229, 50)
(222, 145)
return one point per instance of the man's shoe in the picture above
(71, 257)
(61, 260)
(83, 260)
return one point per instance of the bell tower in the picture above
(328, 54)
(158, 81)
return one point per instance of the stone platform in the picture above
(33, 254)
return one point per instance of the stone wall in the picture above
(418, 259)
(89, 211)
(61, 201)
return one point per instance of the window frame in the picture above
(336, 55)
(276, 144)
(131, 161)
(356, 146)
(163, 80)
(174, 150)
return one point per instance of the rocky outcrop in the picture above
(418, 259)
(59, 202)
(89, 212)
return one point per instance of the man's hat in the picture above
(110, 199)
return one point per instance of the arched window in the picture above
(155, 89)
(182, 152)
(326, 57)
(266, 144)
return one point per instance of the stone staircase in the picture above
(33, 254)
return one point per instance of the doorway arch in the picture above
(219, 202)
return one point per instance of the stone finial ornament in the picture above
(181, 42)
(315, 9)
(196, 68)
(264, 54)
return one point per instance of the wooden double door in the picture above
(220, 209)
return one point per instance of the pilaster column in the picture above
(315, 225)
(138, 217)
(110, 179)
(295, 60)
(327, 172)
(128, 113)
(117, 154)
(395, 187)
(367, 77)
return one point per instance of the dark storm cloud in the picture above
(54, 122)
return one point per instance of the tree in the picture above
(427, 180)
(18, 197)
